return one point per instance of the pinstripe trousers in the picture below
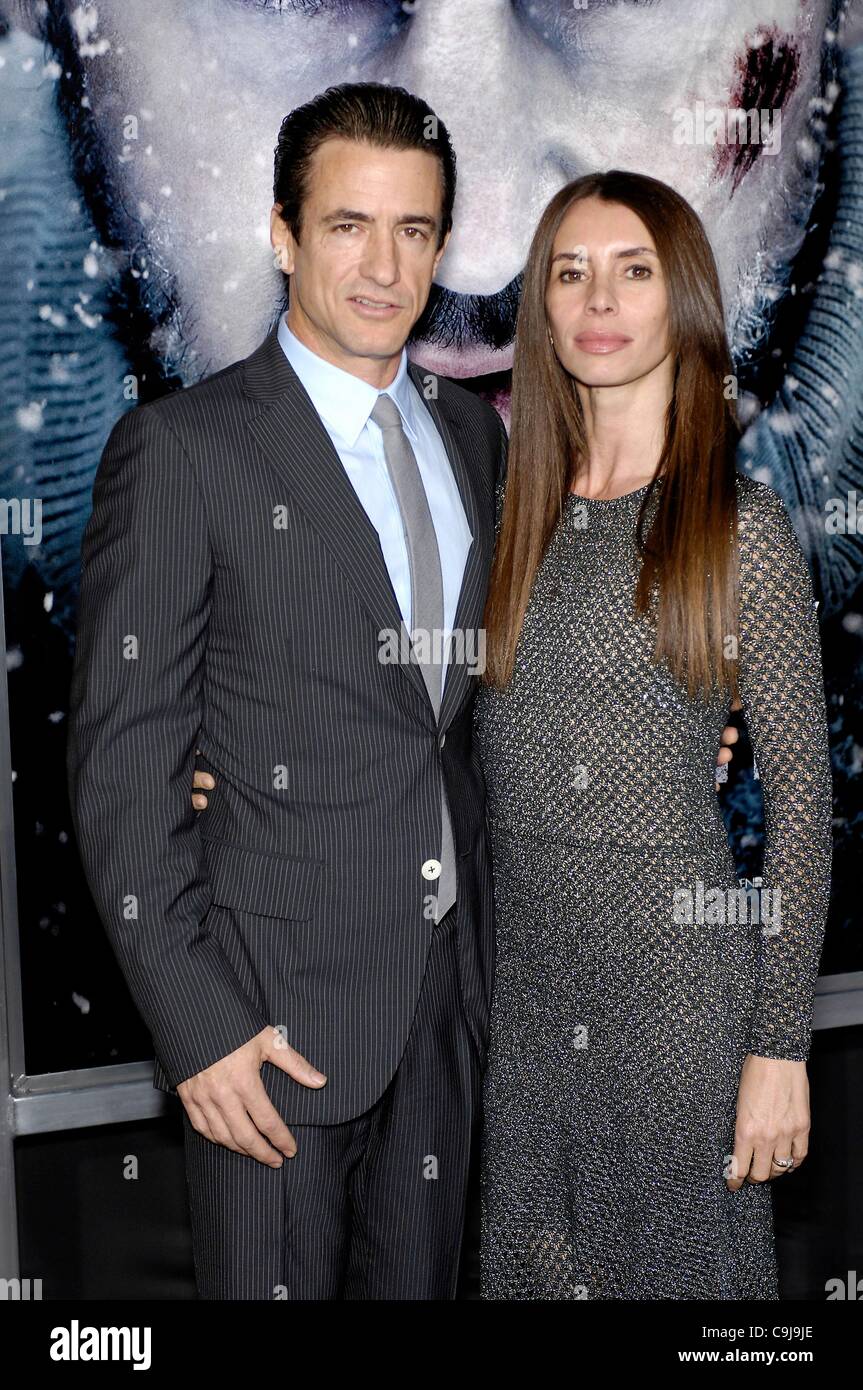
(371, 1208)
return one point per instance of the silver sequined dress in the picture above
(627, 993)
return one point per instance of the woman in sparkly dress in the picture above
(651, 1019)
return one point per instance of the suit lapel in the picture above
(297, 446)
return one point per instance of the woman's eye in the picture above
(573, 277)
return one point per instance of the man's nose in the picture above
(380, 261)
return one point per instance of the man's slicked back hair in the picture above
(371, 113)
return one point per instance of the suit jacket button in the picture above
(431, 868)
(442, 740)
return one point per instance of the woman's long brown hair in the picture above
(688, 577)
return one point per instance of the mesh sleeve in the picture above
(782, 690)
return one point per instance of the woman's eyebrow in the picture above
(618, 255)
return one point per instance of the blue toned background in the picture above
(66, 347)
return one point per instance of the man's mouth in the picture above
(374, 307)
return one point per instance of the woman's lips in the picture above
(601, 342)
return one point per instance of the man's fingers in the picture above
(250, 1137)
(202, 779)
(198, 1120)
(724, 756)
(252, 1127)
(269, 1123)
(219, 1129)
(279, 1051)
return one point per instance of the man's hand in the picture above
(772, 1119)
(729, 736)
(206, 779)
(228, 1102)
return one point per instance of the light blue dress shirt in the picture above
(344, 403)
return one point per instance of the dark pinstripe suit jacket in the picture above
(232, 595)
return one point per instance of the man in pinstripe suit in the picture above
(246, 555)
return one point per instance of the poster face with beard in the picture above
(135, 190)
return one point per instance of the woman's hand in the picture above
(201, 779)
(772, 1119)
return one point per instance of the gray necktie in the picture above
(427, 612)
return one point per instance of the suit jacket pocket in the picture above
(254, 880)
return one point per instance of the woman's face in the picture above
(606, 302)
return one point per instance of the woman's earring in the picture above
(551, 340)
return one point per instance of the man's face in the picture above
(367, 253)
(534, 93)
(606, 300)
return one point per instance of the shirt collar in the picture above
(344, 401)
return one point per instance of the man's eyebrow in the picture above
(618, 255)
(352, 215)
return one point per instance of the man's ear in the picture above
(283, 246)
(24, 14)
(439, 254)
